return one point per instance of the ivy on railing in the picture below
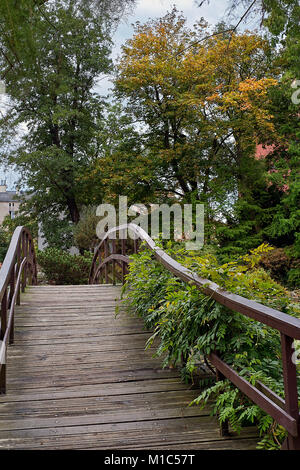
(109, 266)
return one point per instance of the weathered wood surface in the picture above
(79, 378)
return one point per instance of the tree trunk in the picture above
(73, 210)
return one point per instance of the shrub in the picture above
(4, 244)
(85, 236)
(294, 276)
(60, 267)
(10, 224)
(282, 266)
(190, 325)
(277, 263)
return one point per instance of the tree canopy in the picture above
(55, 112)
(199, 114)
(199, 102)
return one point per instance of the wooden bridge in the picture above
(77, 377)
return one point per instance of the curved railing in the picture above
(111, 257)
(18, 270)
(110, 263)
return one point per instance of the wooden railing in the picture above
(110, 263)
(18, 270)
(111, 258)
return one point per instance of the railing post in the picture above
(23, 255)
(105, 256)
(2, 333)
(290, 389)
(123, 251)
(11, 294)
(18, 300)
(33, 262)
(114, 263)
(30, 257)
(96, 267)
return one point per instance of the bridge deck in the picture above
(79, 378)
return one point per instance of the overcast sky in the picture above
(145, 9)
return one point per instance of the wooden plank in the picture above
(221, 444)
(127, 414)
(100, 390)
(19, 363)
(80, 378)
(59, 346)
(125, 432)
(85, 367)
(84, 332)
(90, 376)
(185, 433)
(167, 400)
(65, 323)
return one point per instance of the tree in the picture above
(281, 17)
(17, 20)
(270, 212)
(52, 94)
(199, 99)
(125, 166)
(4, 244)
(9, 224)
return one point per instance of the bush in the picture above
(294, 276)
(57, 231)
(190, 325)
(10, 224)
(282, 267)
(60, 267)
(85, 236)
(277, 263)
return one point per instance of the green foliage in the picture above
(10, 224)
(18, 21)
(267, 205)
(282, 267)
(4, 244)
(190, 325)
(85, 237)
(8, 227)
(60, 267)
(294, 276)
(200, 109)
(58, 231)
(124, 167)
(269, 210)
(53, 54)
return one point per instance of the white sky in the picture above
(145, 9)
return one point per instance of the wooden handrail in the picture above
(18, 269)
(289, 327)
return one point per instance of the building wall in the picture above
(9, 204)
(5, 207)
